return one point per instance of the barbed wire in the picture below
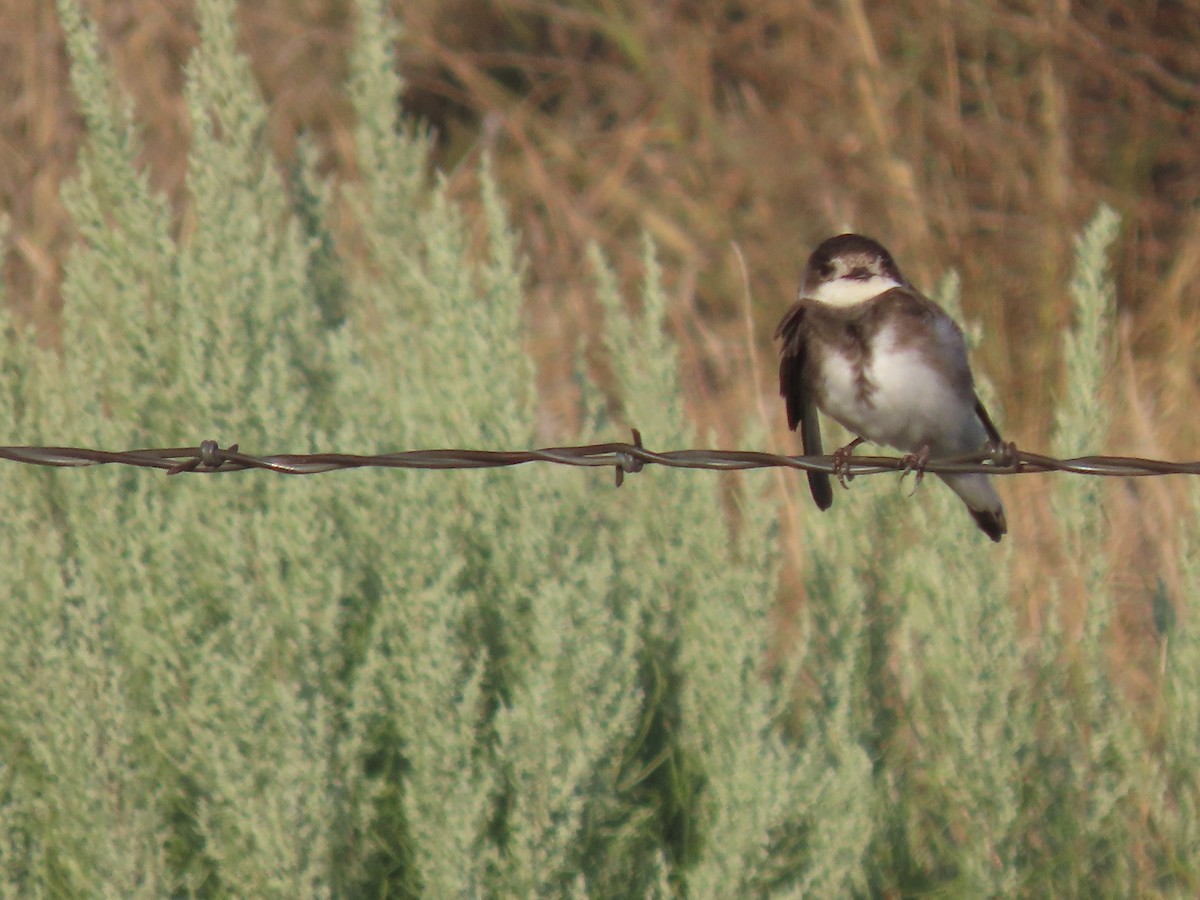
(626, 458)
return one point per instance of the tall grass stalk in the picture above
(503, 683)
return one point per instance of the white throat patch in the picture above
(852, 291)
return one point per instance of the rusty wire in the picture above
(210, 458)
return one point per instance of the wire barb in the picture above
(627, 463)
(208, 458)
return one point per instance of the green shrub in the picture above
(498, 683)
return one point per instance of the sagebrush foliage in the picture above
(505, 683)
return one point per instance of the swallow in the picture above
(870, 351)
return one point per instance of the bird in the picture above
(870, 351)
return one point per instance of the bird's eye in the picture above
(825, 269)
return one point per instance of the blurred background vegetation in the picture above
(318, 691)
(976, 136)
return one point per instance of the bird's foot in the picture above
(915, 462)
(841, 462)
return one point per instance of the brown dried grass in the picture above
(975, 136)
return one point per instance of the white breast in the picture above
(906, 405)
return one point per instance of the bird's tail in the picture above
(982, 502)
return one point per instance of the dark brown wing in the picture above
(989, 426)
(793, 387)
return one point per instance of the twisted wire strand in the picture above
(626, 458)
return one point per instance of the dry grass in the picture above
(978, 137)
